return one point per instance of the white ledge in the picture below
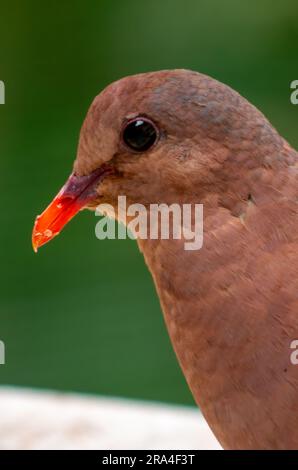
(50, 420)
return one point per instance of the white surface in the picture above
(49, 420)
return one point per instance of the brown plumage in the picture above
(231, 308)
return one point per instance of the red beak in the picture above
(77, 192)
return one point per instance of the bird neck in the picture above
(215, 302)
(195, 289)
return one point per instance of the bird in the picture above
(231, 307)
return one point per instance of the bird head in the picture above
(168, 136)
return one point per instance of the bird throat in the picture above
(217, 319)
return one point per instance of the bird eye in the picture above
(140, 134)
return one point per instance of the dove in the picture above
(231, 307)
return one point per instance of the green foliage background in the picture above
(83, 314)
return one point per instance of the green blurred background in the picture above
(83, 315)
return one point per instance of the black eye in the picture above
(140, 134)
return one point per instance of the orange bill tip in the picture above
(77, 192)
